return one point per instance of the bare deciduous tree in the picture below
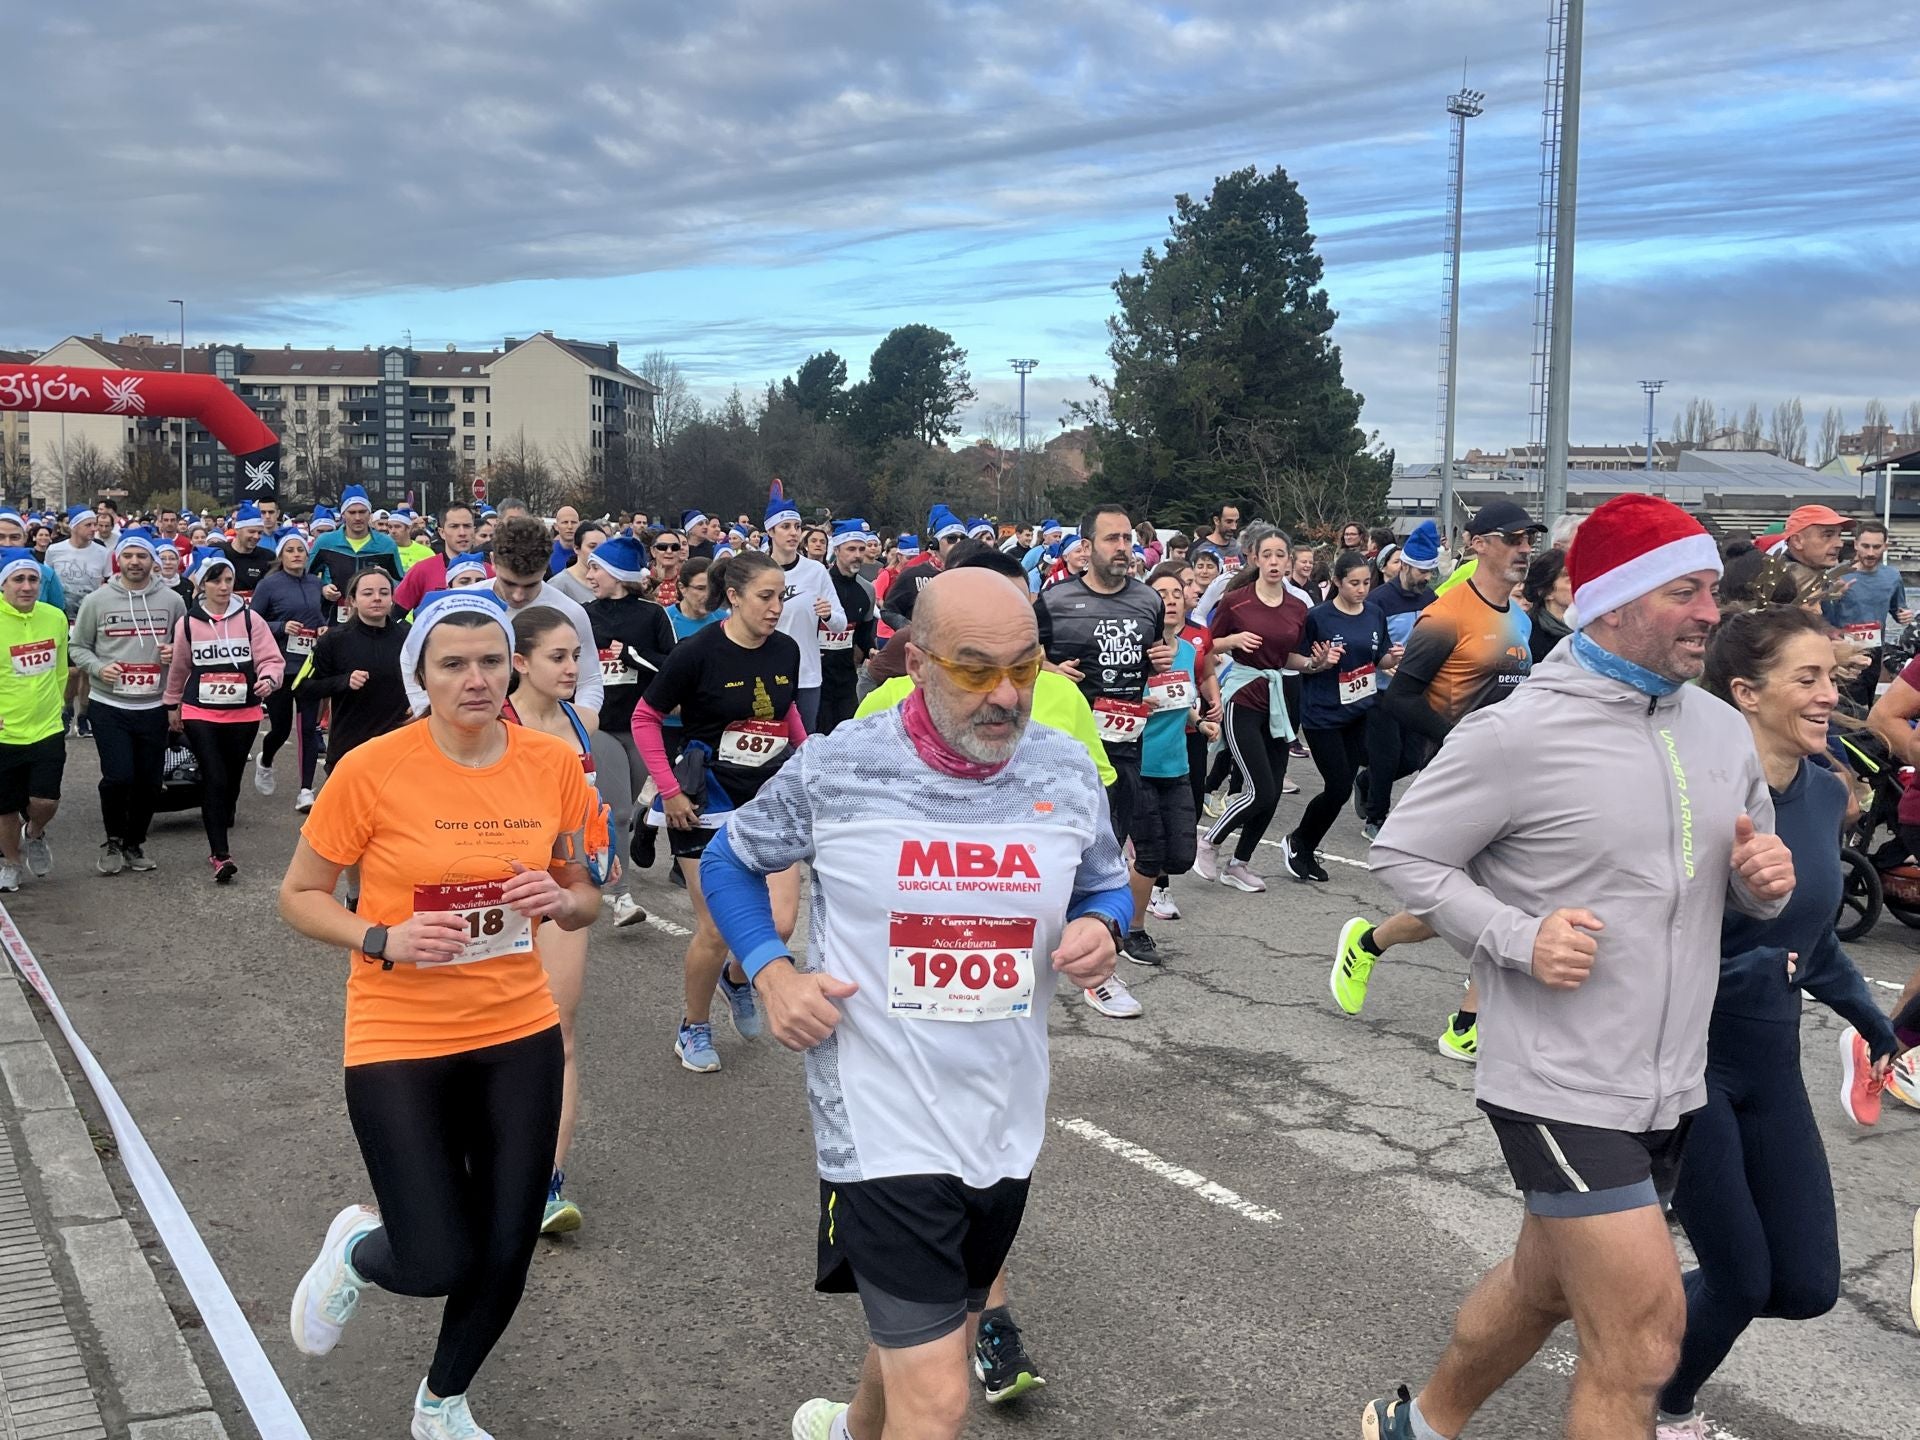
(674, 406)
(1831, 425)
(1787, 432)
(1751, 433)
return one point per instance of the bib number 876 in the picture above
(974, 970)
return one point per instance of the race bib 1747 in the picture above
(959, 967)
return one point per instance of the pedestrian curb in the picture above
(88, 1344)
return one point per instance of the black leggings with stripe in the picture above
(1260, 762)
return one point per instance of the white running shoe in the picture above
(1160, 903)
(264, 779)
(303, 802)
(1206, 860)
(9, 877)
(627, 911)
(1115, 1001)
(814, 1420)
(1239, 874)
(1214, 806)
(447, 1419)
(1694, 1427)
(329, 1293)
(37, 853)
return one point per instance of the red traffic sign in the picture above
(479, 487)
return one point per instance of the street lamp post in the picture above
(183, 419)
(1022, 368)
(1652, 387)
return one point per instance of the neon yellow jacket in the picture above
(30, 703)
(1057, 703)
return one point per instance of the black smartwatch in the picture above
(374, 946)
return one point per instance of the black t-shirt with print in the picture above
(715, 682)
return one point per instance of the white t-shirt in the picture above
(807, 581)
(82, 570)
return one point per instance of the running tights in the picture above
(282, 707)
(1339, 755)
(1260, 763)
(460, 1151)
(221, 747)
(1756, 1198)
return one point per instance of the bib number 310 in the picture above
(959, 967)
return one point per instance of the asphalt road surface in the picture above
(1252, 1215)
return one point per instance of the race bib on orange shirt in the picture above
(493, 928)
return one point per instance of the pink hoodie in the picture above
(267, 661)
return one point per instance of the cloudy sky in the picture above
(740, 182)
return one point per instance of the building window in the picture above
(394, 367)
(466, 417)
(299, 392)
(439, 392)
(396, 447)
(466, 442)
(466, 396)
(369, 462)
(324, 392)
(325, 417)
(489, 419)
(299, 417)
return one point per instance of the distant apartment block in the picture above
(388, 417)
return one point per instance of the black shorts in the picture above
(1164, 840)
(1571, 1170)
(31, 772)
(920, 1250)
(688, 844)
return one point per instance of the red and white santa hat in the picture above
(1630, 547)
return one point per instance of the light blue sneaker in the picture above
(694, 1046)
(447, 1419)
(741, 1008)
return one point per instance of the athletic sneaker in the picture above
(1240, 875)
(1370, 832)
(111, 861)
(1114, 1000)
(223, 868)
(814, 1420)
(303, 802)
(1214, 806)
(1289, 786)
(1000, 1361)
(136, 858)
(1389, 1419)
(447, 1419)
(1352, 966)
(627, 911)
(1360, 795)
(1694, 1427)
(1206, 859)
(1298, 750)
(1859, 1087)
(562, 1216)
(1160, 903)
(1904, 1083)
(741, 1007)
(694, 1046)
(264, 779)
(37, 853)
(83, 727)
(1141, 949)
(9, 877)
(1300, 867)
(1460, 1044)
(329, 1292)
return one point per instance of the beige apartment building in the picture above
(391, 418)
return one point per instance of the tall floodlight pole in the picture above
(1462, 106)
(1560, 360)
(1022, 368)
(183, 419)
(1652, 387)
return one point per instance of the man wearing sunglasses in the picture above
(961, 859)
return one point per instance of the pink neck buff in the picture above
(933, 747)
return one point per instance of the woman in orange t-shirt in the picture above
(454, 1060)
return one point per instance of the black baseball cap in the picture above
(1500, 517)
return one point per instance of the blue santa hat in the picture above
(78, 515)
(622, 558)
(1422, 550)
(849, 532)
(7, 512)
(137, 539)
(249, 514)
(438, 606)
(206, 560)
(691, 518)
(354, 495)
(980, 528)
(779, 510)
(1049, 526)
(464, 563)
(908, 545)
(404, 512)
(943, 524)
(14, 559)
(284, 534)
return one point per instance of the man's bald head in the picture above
(974, 618)
(985, 611)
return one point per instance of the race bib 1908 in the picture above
(959, 967)
(493, 928)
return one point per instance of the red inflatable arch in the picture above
(146, 392)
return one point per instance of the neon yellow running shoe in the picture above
(1352, 965)
(1460, 1044)
(814, 1420)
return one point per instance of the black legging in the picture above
(1393, 753)
(1338, 755)
(1756, 1198)
(221, 747)
(1260, 761)
(460, 1152)
(281, 706)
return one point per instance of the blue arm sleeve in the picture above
(1831, 977)
(1114, 905)
(741, 906)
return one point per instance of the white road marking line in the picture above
(1328, 855)
(661, 923)
(1167, 1170)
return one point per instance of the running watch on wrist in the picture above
(374, 947)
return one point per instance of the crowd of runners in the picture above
(991, 761)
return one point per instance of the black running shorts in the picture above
(920, 1250)
(31, 771)
(1573, 1170)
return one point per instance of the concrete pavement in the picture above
(1253, 1214)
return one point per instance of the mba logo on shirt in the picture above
(967, 865)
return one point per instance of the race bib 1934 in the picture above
(138, 682)
(959, 967)
(493, 928)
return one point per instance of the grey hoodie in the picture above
(1580, 792)
(115, 624)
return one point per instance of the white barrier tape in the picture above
(266, 1399)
